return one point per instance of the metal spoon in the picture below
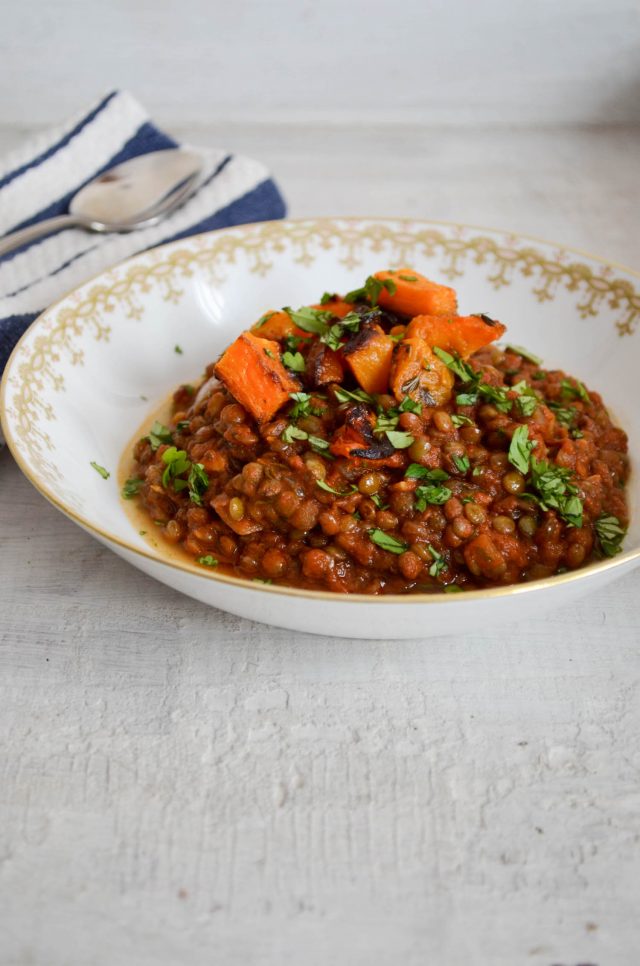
(135, 194)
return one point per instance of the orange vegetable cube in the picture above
(253, 373)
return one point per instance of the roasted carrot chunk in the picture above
(276, 325)
(252, 372)
(368, 355)
(464, 334)
(416, 295)
(418, 373)
(336, 306)
(323, 365)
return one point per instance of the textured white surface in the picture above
(429, 61)
(180, 786)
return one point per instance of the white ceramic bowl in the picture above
(93, 366)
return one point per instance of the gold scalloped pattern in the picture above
(89, 308)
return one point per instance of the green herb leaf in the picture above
(520, 449)
(417, 472)
(409, 405)
(292, 433)
(105, 474)
(310, 320)
(302, 405)
(461, 463)
(439, 562)
(329, 489)
(459, 420)
(207, 561)
(525, 354)
(399, 440)
(318, 444)
(183, 424)
(408, 278)
(434, 495)
(497, 395)
(131, 487)
(467, 398)
(176, 463)
(386, 420)
(198, 481)
(371, 290)
(569, 391)
(461, 369)
(358, 395)
(293, 361)
(158, 435)
(387, 542)
(377, 499)
(527, 401)
(326, 297)
(177, 349)
(610, 534)
(554, 491)
(564, 414)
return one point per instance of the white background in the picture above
(183, 787)
(354, 61)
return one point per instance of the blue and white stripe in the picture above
(38, 181)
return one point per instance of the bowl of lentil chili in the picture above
(359, 442)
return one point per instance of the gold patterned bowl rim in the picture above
(627, 327)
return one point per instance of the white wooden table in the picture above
(179, 786)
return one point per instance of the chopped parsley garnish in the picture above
(520, 449)
(408, 278)
(198, 481)
(326, 297)
(269, 353)
(183, 424)
(371, 290)
(554, 491)
(527, 400)
(318, 444)
(459, 420)
(333, 336)
(409, 405)
(434, 495)
(207, 561)
(399, 440)
(610, 534)
(176, 463)
(569, 391)
(105, 474)
(131, 487)
(302, 406)
(386, 420)
(495, 394)
(564, 414)
(461, 369)
(518, 349)
(439, 563)
(329, 489)
(178, 350)
(293, 342)
(461, 463)
(357, 395)
(387, 542)
(293, 361)
(417, 472)
(158, 435)
(310, 320)
(377, 500)
(292, 433)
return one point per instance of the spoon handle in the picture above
(18, 238)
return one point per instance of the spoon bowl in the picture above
(135, 194)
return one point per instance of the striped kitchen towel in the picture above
(38, 180)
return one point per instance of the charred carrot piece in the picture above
(414, 294)
(418, 373)
(323, 365)
(253, 373)
(464, 334)
(368, 354)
